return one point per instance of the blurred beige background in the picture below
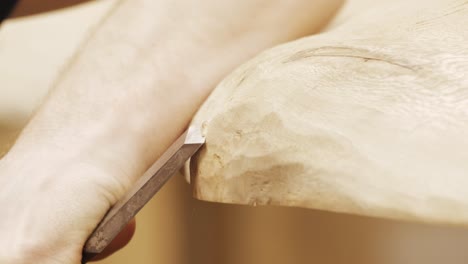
(176, 229)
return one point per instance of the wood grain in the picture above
(369, 118)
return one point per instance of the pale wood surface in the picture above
(197, 232)
(369, 118)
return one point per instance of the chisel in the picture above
(144, 189)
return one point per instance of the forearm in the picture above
(146, 69)
(134, 83)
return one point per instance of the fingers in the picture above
(119, 242)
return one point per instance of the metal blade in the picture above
(144, 189)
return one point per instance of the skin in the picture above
(129, 92)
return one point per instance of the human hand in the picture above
(131, 90)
